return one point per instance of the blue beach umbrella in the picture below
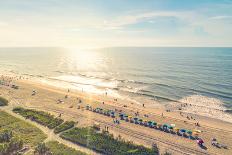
(182, 130)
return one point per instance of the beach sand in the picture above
(46, 99)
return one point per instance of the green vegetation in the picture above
(42, 149)
(105, 143)
(40, 117)
(27, 132)
(60, 149)
(3, 101)
(65, 126)
(9, 144)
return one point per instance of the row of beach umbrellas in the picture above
(152, 124)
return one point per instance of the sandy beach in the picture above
(71, 105)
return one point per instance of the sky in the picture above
(106, 23)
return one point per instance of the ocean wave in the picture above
(208, 92)
(204, 106)
(81, 83)
(103, 78)
(149, 95)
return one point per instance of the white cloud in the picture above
(121, 21)
(221, 17)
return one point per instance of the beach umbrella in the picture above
(121, 115)
(135, 118)
(126, 117)
(152, 124)
(182, 130)
(149, 123)
(173, 125)
(200, 141)
(176, 129)
(140, 121)
(195, 134)
(170, 127)
(166, 125)
(198, 131)
(189, 132)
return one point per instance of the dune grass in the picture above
(40, 117)
(60, 149)
(28, 133)
(105, 143)
(65, 126)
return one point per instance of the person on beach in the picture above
(33, 93)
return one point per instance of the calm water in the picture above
(161, 74)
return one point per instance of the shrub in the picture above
(65, 126)
(5, 136)
(3, 101)
(9, 144)
(30, 134)
(105, 143)
(42, 149)
(60, 149)
(40, 117)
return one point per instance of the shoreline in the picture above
(200, 105)
(47, 96)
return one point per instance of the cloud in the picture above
(125, 20)
(220, 17)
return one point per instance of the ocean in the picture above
(162, 74)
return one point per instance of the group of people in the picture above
(116, 121)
